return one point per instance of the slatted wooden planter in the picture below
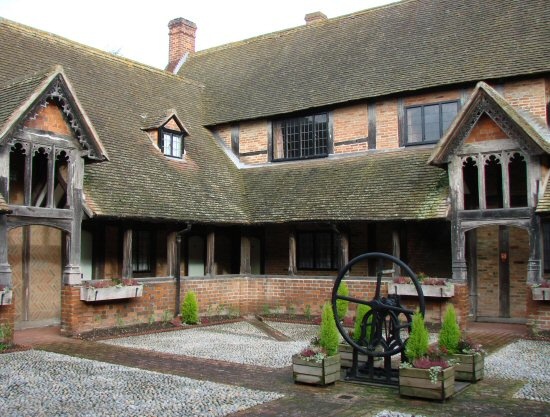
(470, 368)
(414, 382)
(90, 294)
(346, 357)
(6, 296)
(439, 291)
(540, 293)
(310, 372)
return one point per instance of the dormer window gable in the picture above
(168, 133)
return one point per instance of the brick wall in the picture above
(528, 95)
(387, 133)
(50, 118)
(224, 133)
(538, 314)
(350, 123)
(253, 138)
(7, 318)
(485, 129)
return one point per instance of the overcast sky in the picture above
(139, 29)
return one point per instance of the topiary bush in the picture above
(329, 337)
(449, 336)
(190, 308)
(342, 305)
(362, 309)
(417, 344)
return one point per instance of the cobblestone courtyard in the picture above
(172, 374)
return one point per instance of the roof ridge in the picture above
(295, 29)
(92, 50)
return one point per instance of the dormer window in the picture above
(171, 143)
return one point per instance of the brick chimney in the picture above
(181, 33)
(315, 17)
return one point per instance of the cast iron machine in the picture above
(384, 328)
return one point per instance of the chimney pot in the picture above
(315, 17)
(181, 33)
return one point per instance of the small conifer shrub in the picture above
(362, 310)
(190, 308)
(329, 337)
(417, 344)
(450, 335)
(342, 305)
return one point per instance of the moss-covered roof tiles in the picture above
(393, 49)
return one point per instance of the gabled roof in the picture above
(21, 97)
(393, 49)
(486, 100)
(158, 120)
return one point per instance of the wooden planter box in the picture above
(414, 382)
(5, 297)
(90, 294)
(346, 357)
(470, 367)
(311, 372)
(441, 291)
(541, 294)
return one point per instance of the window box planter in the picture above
(436, 291)
(317, 373)
(415, 382)
(115, 292)
(6, 296)
(469, 367)
(541, 293)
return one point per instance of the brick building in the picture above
(252, 172)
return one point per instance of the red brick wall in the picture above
(350, 123)
(387, 133)
(51, 119)
(538, 314)
(253, 138)
(528, 95)
(485, 129)
(7, 317)
(519, 255)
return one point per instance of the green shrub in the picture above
(417, 344)
(362, 309)
(328, 332)
(449, 336)
(342, 305)
(190, 308)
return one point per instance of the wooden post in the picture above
(72, 274)
(28, 176)
(534, 265)
(396, 251)
(210, 253)
(245, 255)
(127, 254)
(343, 256)
(292, 269)
(171, 257)
(5, 268)
(51, 179)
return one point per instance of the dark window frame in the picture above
(315, 260)
(321, 145)
(174, 134)
(137, 255)
(546, 246)
(422, 107)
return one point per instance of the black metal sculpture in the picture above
(384, 328)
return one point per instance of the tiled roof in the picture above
(393, 49)
(378, 186)
(137, 181)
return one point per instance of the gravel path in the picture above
(36, 383)
(236, 342)
(524, 360)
